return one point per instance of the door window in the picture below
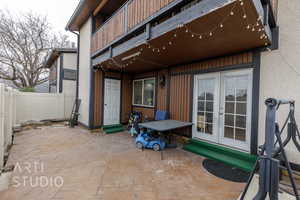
(205, 106)
(235, 116)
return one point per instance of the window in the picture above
(144, 92)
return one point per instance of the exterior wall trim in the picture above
(255, 101)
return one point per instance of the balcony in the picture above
(204, 29)
(126, 19)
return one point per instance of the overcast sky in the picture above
(58, 11)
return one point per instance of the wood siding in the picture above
(148, 113)
(212, 64)
(98, 98)
(110, 31)
(180, 97)
(162, 92)
(129, 16)
(126, 97)
(139, 10)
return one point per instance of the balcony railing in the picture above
(125, 19)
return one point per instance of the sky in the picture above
(57, 11)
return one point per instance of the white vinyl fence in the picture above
(18, 107)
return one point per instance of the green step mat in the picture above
(109, 129)
(231, 157)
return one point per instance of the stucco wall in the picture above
(280, 69)
(70, 61)
(84, 71)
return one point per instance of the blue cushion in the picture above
(161, 115)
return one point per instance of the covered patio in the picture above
(97, 166)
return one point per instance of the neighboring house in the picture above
(42, 88)
(62, 64)
(210, 62)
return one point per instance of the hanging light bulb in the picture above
(210, 34)
(257, 24)
(242, 3)
(175, 35)
(170, 43)
(231, 13)
(186, 30)
(253, 29)
(192, 35)
(248, 27)
(244, 16)
(200, 37)
(164, 48)
(221, 25)
(259, 30)
(266, 44)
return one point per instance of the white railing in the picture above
(19, 107)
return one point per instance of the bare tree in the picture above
(25, 43)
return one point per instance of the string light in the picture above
(203, 35)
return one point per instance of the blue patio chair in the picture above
(161, 115)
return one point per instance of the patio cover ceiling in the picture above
(219, 32)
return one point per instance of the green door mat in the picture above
(110, 129)
(231, 157)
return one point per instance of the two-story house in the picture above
(62, 64)
(210, 62)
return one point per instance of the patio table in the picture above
(164, 126)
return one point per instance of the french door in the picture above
(112, 94)
(222, 108)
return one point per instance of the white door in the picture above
(235, 109)
(112, 95)
(206, 106)
(222, 108)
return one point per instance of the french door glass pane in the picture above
(235, 116)
(205, 112)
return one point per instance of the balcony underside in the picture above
(229, 35)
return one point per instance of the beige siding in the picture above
(70, 61)
(84, 71)
(280, 69)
